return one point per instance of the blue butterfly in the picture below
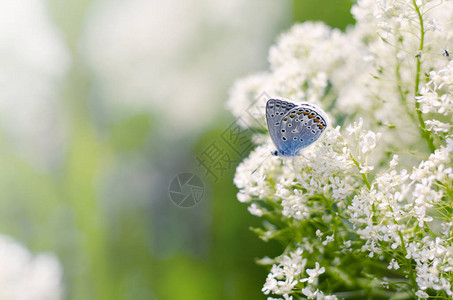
(293, 127)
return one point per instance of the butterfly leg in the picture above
(269, 155)
(306, 158)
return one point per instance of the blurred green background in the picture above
(101, 202)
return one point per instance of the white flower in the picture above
(369, 141)
(346, 244)
(393, 265)
(254, 209)
(355, 128)
(394, 161)
(33, 63)
(329, 239)
(26, 276)
(285, 297)
(307, 292)
(437, 126)
(425, 179)
(449, 147)
(313, 273)
(421, 294)
(282, 278)
(319, 295)
(436, 97)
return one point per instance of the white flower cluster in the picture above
(300, 71)
(359, 198)
(291, 182)
(429, 178)
(33, 63)
(375, 211)
(394, 212)
(284, 276)
(436, 97)
(287, 274)
(27, 277)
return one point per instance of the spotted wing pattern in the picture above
(294, 127)
(275, 111)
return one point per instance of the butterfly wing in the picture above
(300, 127)
(276, 109)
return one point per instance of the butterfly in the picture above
(293, 127)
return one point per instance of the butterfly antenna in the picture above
(267, 157)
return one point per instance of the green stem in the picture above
(449, 209)
(402, 93)
(336, 221)
(364, 175)
(368, 185)
(425, 133)
(409, 262)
